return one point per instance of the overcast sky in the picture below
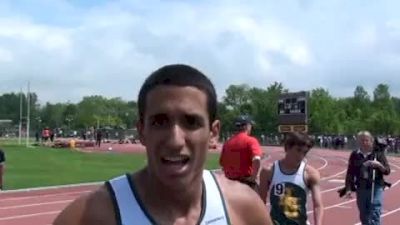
(70, 49)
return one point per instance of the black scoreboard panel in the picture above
(293, 108)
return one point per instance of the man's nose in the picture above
(177, 137)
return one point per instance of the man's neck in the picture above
(365, 151)
(179, 200)
(289, 165)
(242, 132)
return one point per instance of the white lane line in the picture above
(334, 175)
(29, 215)
(323, 159)
(340, 181)
(345, 207)
(333, 206)
(41, 196)
(349, 201)
(53, 187)
(383, 215)
(36, 204)
(390, 212)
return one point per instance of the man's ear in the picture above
(140, 130)
(214, 131)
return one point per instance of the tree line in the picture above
(379, 112)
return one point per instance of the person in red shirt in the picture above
(46, 134)
(2, 165)
(241, 154)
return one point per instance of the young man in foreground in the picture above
(177, 121)
(289, 181)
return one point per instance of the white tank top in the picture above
(288, 196)
(130, 210)
(294, 178)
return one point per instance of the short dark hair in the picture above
(242, 121)
(298, 139)
(179, 75)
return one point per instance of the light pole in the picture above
(38, 130)
(20, 117)
(28, 114)
(127, 120)
(69, 119)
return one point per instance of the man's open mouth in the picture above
(175, 160)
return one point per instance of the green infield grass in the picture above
(41, 166)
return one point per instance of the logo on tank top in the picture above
(290, 204)
(214, 220)
(290, 201)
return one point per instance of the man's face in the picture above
(249, 127)
(297, 153)
(365, 142)
(176, 132)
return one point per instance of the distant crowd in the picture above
(98, 135)
(330, 141)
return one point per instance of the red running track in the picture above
(40, 207)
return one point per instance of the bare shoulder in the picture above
(93, 208)
(312, 175)
(243, 204)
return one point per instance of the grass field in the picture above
(40, 166)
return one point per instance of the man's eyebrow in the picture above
(194, 114)
(152, 116)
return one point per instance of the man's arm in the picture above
(349, 183)
(265, 182)
(313, 183)
(385, 163)
(254, 211)
(381, 164)
(93, 209)
(256, 154)
(72, 214)
(244, 205)
(256, 164)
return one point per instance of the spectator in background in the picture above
(37, 136)
(241, 154)
(2, 167)
(51, 135)
(60, 132)
(263, 139)
(99, 137)
(83, 135)
(359, 178)
(46, 134)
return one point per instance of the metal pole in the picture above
(20, 117)
(28, 115)
(373, 183)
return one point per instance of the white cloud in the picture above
(6, 56)
(367, 36)
(70, 49)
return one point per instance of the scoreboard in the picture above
(293, 112)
